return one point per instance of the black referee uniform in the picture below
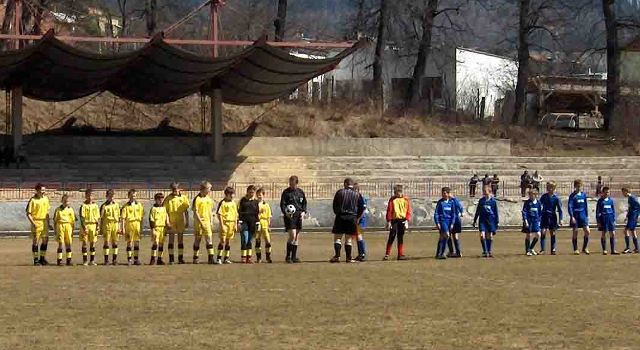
(345, 207)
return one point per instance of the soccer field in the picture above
(509, 302)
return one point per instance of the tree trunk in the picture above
(613, 57)
(378, 59)
(281, 22)
(424, 50)
(122, 5)
(38, 14)
(151, 13)
(523, 62)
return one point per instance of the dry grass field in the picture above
(509, 302)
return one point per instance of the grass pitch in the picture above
(510, 302)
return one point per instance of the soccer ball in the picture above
(290, 210)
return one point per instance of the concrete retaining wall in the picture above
(263, 146)
(12, 217)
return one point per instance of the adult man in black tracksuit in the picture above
(293, 224)
(348, 206)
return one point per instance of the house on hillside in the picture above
(456, 78)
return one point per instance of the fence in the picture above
(424, 189)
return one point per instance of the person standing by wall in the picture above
(473, 184)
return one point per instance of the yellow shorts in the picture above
(39, 229)
(64, 232)
(177, 224)
(228, 230)
(89, 234)
(263, 233)
(132, 230)
(110, 231)
(203, 231)
(158, 234)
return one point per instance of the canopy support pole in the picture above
(216, 126)
(16, 120)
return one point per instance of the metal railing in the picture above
(17, 191)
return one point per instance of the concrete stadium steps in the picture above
(318, 169)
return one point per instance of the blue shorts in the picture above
(534, 226)
(632, 223)
(457, 226)
(581, 221)
(549, 221)
(445, 226)
(607, 223)
(487, 226)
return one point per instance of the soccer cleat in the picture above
(243, 260)
(586, 251)
(576, 252)
(218, 262)
(171, 263)
(484, 254)
(351, 261)
(259, 261)
(334, 260)
(449, 255)
(92, 263)
(137, 263)
(36, 263)
(196, 261)
(385, 258)
(288, 260)
(160, 262)
(181, 261)
(269, 261)
(227, 261)
(86, 263)
(490, 255)
(529, 254)
(441, 257)
(44, 262)
(533, 252)
(542, 252)
(635, 251)
(553, 252)
(152, 261)
(296, 260)
(402, 257)
(69, 262)
(604, 252)
(211, 260)
(129, 262)
(114, 262)
(59, 263)
(614, 252)
(626, 251)
(249, 261)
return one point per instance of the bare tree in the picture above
(281, 21)
(150, 11)
(378, 59)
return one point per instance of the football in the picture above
(290, 210)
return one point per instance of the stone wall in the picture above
(12, 217)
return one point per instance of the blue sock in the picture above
(527, 244)
(483, 242)
(603, 243)
(612, 241)
(489, 243)
(626, 242)
(542, 241)
(585, 242)
(574, 241)
(456, 243)
(450, 245)
(553, 243)
(361, 248)
(635, 242)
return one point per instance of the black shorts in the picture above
(345, 224)
(293, 223)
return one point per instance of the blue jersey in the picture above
(634, 208)
(531, 211)
(578, 204)
(445, 212)
(458, 209)
(551, 204)
(487, 211)
(363, 220)
(605, 207)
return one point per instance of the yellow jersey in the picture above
(176, 205)
(110, 212)
(203, 207)
(38, 207)
(228, 210)
(132, 212)
(264, 211)
(89, 213)
(64, 215)
(158, 216)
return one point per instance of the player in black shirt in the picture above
(248, 220)
(293, 223)
(348, 206)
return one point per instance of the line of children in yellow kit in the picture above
(167, 217)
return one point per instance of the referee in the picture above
(348, 205)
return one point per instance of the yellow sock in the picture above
(227, 253)
(250, 252)
(154, 253)
(59, 255)
(69, 254)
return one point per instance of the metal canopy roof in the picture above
(51, 70)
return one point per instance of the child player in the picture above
(293, 195)
(64, 220)
(631, 221)
(551, 216)
(38, 216)
(579, 217)
(443, 218)
(109, 227)
(454, 239)
(177, 206)
(158, 221)
(228, 217)
(202, 207)
(89, 219)
(248, 222)
(131, 217)
(264, 216)
(398, 217)
(531, 218)
(487, 213)
(606, 216)
(362, 225)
